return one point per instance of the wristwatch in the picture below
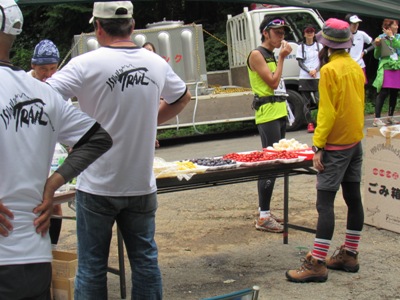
(315, 149)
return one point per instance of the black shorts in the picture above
(308, 85)
(340, 166)
(30, 281)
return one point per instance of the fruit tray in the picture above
(291, 160)
(274, 161)
(215, 163)
(288, 160)
(180, 169)
(307, 153)
(186, 174)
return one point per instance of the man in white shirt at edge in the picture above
(360, 38)
(33, 117)
(120, 85)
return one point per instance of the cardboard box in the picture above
(64, 264)
(382, 179)
(383, 146)
(63, 289)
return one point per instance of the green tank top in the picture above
(269, 111)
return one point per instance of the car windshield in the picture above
(297, 21)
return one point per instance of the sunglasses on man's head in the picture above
(276, 22)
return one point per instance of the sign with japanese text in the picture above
(382, 181)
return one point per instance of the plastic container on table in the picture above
(60, 154)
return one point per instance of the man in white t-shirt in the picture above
(360, 38)
(120, 85)
(33, 117)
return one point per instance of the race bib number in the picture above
(281, 89)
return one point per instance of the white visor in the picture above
(355, 19)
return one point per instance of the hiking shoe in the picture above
(344, 260)
(378, 122)
(277, 219)
(269, 224)
(310, 128)
(312, 270)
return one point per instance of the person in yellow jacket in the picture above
(338, 154)
(265, 74)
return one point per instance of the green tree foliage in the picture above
(216, 51)
(61, 22)
(213, 16)
(58, 23)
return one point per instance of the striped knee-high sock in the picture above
(321, 248)
(352, 240)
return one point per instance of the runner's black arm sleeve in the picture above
(369, 49)
(91, 146)
(302, 65)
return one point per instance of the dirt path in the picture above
(208, 244)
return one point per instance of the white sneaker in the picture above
(268, 224)
(378, 122)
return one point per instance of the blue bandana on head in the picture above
(45, 53)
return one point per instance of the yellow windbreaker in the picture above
(340, 119)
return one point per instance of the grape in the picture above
(212, 162)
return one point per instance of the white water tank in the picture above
(182, 46)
